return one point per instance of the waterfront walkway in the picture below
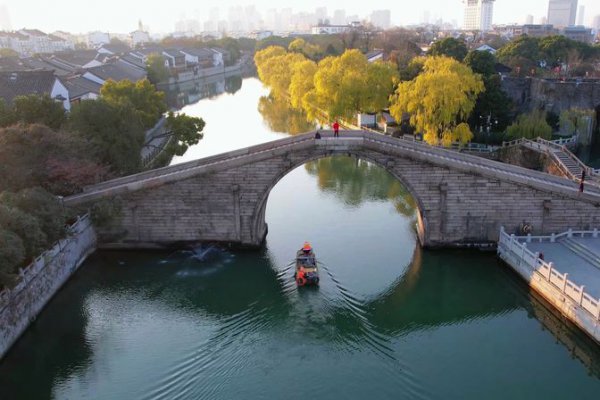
(568, 276)
(576, 256)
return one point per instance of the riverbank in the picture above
(41, 280)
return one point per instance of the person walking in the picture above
(336, 129)
(581, 181)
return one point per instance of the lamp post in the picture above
(488, 121)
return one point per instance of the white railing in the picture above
(515, 247)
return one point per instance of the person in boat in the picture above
(306, 249)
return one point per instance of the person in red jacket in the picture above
(336, 129)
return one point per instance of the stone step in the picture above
(582, 251)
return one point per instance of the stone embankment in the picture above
(39, 281)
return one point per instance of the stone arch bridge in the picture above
(462, 199)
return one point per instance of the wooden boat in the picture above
(307, 273)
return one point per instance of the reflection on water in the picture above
(281, 118)
(389, 321)
(357, 181)
(190, 92)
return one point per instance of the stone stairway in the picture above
(574, 169)
(582, 251)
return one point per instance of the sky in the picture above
(122, 16)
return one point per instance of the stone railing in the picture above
(445, 157)
(41, 279)
(516, 248)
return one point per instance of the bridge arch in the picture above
(462, 200)
(259, 226)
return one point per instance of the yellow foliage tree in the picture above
(261, 57)
(439, 100)
(302, 82)
(348, 84)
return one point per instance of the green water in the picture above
(389, 321)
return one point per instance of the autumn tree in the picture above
(309, 50)
(35, 155)
(439, 100)
(348, 84)
(301, 83)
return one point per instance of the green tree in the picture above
(530, 126)
(12, 254)
(481, 62)
(7, 117)
(43, 206)
(35, 109)
(115, 138)
(449, 47)
(147, 104)
(157, 71)
(493, 103)
(439, 100)
(574, 120)
(186, 131)
(27, 227)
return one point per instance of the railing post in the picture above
(564, 288)
(523, 247)
(570, 233)
(581, 295)
(529, 238)
(553, 238)
(595, 234)
(550, 268)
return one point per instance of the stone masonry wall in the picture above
(459, 203)
(41, 280)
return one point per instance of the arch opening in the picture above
(355, 178)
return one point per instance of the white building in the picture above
(139, 37)
(478, 15)
(30, 41)
(330, 29)
(97, 39)
(562, 13)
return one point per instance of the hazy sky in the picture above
(123, 15)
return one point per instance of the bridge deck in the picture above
(578, 257)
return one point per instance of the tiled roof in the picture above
(79, 86)
(76, 58)
(12, 64)
(198, 52)
(22, 83)
(116, 48)
(33, 32)
(14, 35)
(118, 71)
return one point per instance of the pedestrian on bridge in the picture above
(581, 181)
(336, 129)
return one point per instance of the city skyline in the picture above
(96, 16)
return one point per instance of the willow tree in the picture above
(276, 72)
(348, 84)
(261, 57)
(301, 82)
(439, 100)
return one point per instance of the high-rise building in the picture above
(339, 17)
(562, 13)
(381, 18)
(529, 19)
(581, 15)
(596, 23)
(478, 15)
(4, 19)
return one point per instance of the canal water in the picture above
(389, 320)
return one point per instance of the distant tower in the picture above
(140, 26)
(4, 19)
(529, 19)
(479, 15)
(581, 15)
(562, 13)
